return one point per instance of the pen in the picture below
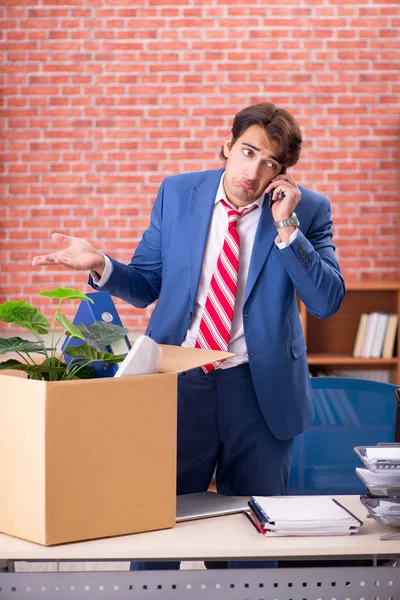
(254, 522)
(347, 510)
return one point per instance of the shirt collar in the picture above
(221, 195)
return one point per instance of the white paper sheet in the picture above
(142, 359)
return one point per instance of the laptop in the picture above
(208, 504)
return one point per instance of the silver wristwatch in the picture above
(292, 220)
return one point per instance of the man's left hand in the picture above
(286, 196)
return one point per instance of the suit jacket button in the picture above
(189, 315)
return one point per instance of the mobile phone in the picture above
(269, 195)
(270, 200)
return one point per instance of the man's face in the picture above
(250, 166)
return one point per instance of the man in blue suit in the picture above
(240, 418)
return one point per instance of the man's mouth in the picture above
(247, 185)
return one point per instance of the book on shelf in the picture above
(380, 334)
(376, 335)
(390, 338)
(362, 324)
(369, 335)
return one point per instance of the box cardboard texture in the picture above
(95, 458)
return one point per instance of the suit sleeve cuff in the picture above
(108, 269)
(282, 245)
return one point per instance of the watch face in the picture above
(295, 220)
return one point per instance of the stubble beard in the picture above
(240, 194)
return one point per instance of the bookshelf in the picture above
(330, 341)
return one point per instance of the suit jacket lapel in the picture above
(263, 244)
(200, 213)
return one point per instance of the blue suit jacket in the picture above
(167, 265)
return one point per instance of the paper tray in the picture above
(380, 457)
(381, 483)
(385, 511)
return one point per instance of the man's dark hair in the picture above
(279, 125)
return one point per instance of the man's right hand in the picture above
(76, 254)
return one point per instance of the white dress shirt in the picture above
(247, 226)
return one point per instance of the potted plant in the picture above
(43, 361)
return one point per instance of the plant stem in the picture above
(24, 358)
(53, 330)
(31, 358)
(59, 339)
(71, 368)
(39, 339)
(69, 338)
(41, 342)
(77, 368)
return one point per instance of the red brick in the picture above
(101, 107)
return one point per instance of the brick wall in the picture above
(101, 100)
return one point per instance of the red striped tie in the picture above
(216, 320)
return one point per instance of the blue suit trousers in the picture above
(221, 428)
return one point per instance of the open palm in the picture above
(76, 253)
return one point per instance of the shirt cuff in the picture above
(108, 269)
(282, 245)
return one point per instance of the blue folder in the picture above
(102, 309)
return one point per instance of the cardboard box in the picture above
(93, 458)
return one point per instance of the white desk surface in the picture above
(230, 536)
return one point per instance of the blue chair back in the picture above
(348, 412)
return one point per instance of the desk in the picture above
(228, 537)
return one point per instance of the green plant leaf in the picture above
(17, 344)
(53, 361)
(46, 369)
(23, 314)
(13, 364)
(101, 334)
(36, 376)
(70, 327)
(40, 371)
(65, 293)
(51, 369)
(88, 353)
(85, 372)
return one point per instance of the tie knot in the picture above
(233, 214)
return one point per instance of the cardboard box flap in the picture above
(176, 359)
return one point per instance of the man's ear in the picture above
(228, 145)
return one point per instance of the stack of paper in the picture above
(382, 478)
(380, 457)
(312, 515)
(381, 483)
(385, 511)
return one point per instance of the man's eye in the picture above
(247, 152)
(271, 165)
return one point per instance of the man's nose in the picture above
(253, 170)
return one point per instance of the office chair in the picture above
(348, 412)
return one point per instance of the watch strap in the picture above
(290, 221)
